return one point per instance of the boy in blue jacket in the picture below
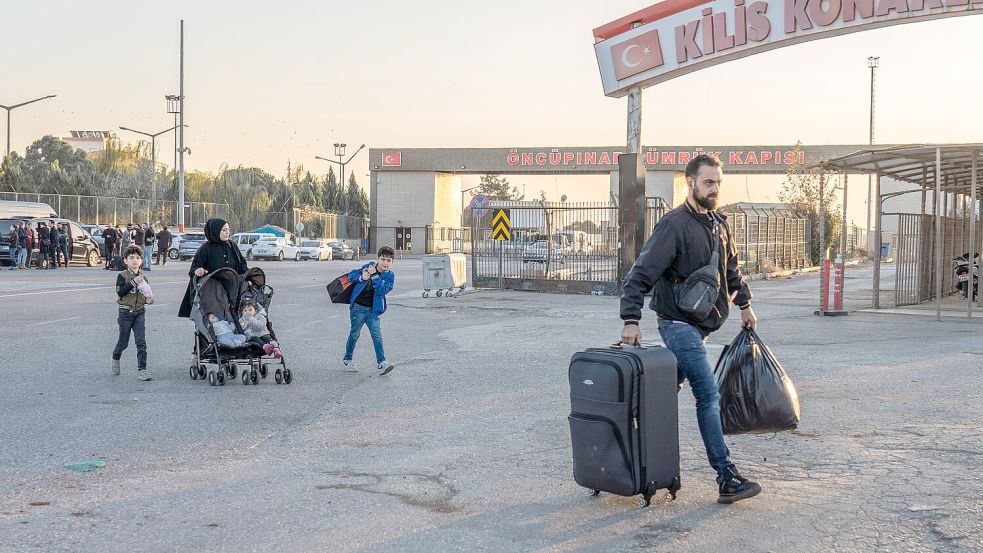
(372, 282)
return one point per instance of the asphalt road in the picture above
(464, 447)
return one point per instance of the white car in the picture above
(275, 248)
(315, 249)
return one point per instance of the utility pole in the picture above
(873, 63)
(181, 148)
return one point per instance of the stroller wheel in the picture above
(263, 370)
(202, 371)
(278, 376)
(221, 378)
(287, 376)
(253, 375)
(193, 371)
(245, 377)
(212, 380)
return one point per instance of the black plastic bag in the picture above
(756, 395)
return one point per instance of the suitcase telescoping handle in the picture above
(643, 345)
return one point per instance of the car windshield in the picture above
(192, 237)
(5, 226)
(310, 244)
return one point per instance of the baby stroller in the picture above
(218, 293)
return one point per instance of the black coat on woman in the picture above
(212, 255)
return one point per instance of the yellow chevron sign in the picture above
(501, 225)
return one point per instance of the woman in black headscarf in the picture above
(214, 254)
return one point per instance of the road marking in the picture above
(310, 286)
(53, 322)
(80, 289)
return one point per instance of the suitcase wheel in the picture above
(595, 493)
(645, 501)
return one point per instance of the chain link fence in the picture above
(106, 210)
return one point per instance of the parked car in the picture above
(315, 249)
(95, 231)
(188, 247)
(275, 248)
(245, 240)
(537, 252)
(82, 248)
(341, 250)
(172, 252)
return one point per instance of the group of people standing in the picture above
(118, 239)
(51, 240)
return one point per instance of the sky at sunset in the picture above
(272, 82)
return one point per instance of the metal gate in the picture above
(908, 288)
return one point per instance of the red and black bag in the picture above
(340, 289)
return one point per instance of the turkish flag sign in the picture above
(637, 54)
(391, 159)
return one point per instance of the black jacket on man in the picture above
(680, 244)
(163, 240)
(148, 236)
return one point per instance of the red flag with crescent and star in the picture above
(391, 159)
(637, 54)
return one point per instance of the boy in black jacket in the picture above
(131, 288)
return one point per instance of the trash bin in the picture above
(444, 272)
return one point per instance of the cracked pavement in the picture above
(465, 446)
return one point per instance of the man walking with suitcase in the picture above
(688, 248)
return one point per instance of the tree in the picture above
(330, 200)
(355, 199)
(590, 227)
(497, 187)
(809, 193)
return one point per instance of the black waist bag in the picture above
(696, 296)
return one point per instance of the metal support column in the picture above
(971, 215)
(938, 236)
(877, 243)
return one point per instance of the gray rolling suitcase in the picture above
(624, 421)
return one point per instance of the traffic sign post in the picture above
(501, 231)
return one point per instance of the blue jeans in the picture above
(147, 256)
(686, 342)
(362, 315)
(22, 256)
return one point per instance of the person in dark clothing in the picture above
(136, 236)
(682, 242)
(163, 244)
(44, 242)
(28, 252)
(149, 238)
(133, 294)
(110, 237)
(63, 240)
(372, 282)
(54, 237)
(14, 238)
(215, 253)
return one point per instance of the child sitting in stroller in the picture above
(226, 336)
(253, 322)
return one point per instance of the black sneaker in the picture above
(734, 487)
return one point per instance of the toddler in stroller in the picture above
(254, 323)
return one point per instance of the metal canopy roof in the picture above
(915, 163)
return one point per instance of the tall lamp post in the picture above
(15, 106)
(153, 158)
(873, 63)
(339, 150)
(174, 108)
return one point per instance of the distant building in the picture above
(89, 141)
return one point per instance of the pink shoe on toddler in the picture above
(276, 353)
(268, 349)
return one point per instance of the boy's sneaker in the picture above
(734, 487)
(115, 367)
(349, 366)
(143, 375)
(385, 368)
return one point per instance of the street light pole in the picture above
(339, 150)
(173, 107)
(153, 159)
(180, 174)
(15, 106)
(873, 63)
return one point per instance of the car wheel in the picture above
(172, 254)
(297, 256)
(279, 256)
(92, 259)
